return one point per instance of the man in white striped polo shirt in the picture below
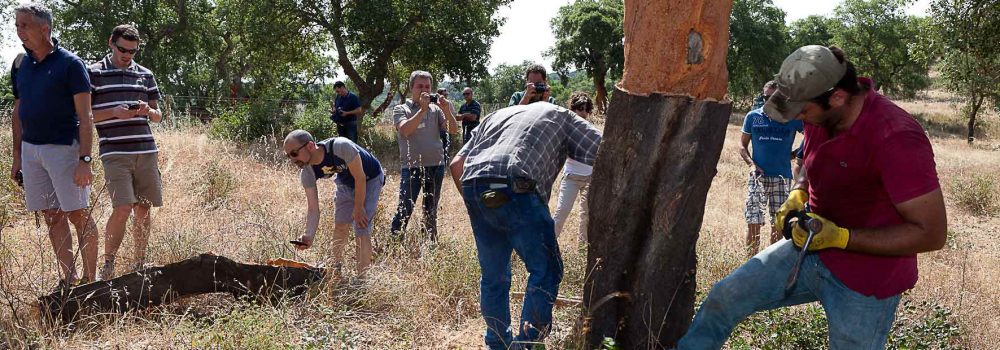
(124, 99)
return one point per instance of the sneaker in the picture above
(107, 270)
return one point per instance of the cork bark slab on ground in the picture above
(205, 273)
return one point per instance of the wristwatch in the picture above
(86, 159)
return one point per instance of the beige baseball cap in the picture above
(807, 73)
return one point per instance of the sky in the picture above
(527, 34)
(521, 39)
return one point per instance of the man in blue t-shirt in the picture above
(770, 178)
(346, 111)
(52, 128)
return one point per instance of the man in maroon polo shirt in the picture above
(869, 177)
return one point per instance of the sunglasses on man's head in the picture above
(128, 51)
(295, 153)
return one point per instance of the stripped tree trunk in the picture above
(154, 286)
(664, 134)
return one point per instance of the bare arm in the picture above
(360, 186)
(117, 112)
(800, 181)
(312, 212)
(82, 103)
(154, 114)
(745, 148)
(924, 229)
(83, 175)
(407, 126)
(457, 167)
(450, 123)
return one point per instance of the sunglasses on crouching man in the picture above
(295, 153)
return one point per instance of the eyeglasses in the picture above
(466, 93)
(128, 51)
(295, 153)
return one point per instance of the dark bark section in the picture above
(652, 176)
(977, 102)
(154, 286)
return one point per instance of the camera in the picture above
(540, 87)
(20, 178)
(434, 98)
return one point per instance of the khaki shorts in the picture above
(133, 179)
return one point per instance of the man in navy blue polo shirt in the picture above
(52, 131)
(346, 112)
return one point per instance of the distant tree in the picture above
(589, 37)
(372, 36)
(812, 30)
(505, 80)
(174, 46)
(885, 44)
(969, 31)
(758, 42)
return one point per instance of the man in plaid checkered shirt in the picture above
(505, 174)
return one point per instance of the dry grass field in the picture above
(246, 203)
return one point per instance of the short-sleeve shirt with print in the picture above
(337, 153)
(423, 147)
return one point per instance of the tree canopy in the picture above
(757, 45)
(812, 30)
(371, 37)
(885, 44)
(969, 32)
(589, 37)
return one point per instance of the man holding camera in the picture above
(505, 174)
(345, 111)
(419, 122)
(52, 130)
(124, 96)
(536, 89)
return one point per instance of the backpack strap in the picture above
(17, 61)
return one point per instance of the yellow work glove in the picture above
(796, 201)
(829, 235)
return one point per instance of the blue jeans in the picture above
(522, 225)
(348, 130)
(411, 180)
(467, 130)
(445, 142)
(856, 321)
